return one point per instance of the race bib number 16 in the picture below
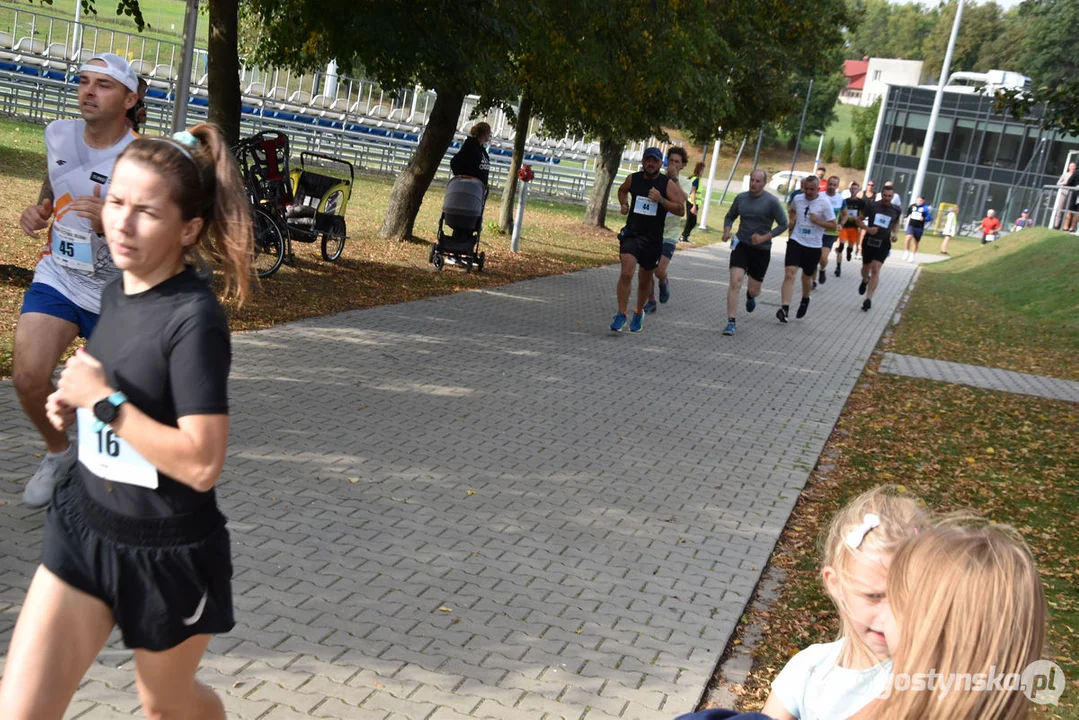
(109, 457)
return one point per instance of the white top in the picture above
(76, 262)
(951, 223)
(813, 687)
(672, 224)
(805, 231)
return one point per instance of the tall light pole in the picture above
(703, 211)
(923, 163)
(183, 80)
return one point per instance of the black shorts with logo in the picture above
(878, 251)
(799, 255)
(647, 251)
(165, 580)
(751, 259)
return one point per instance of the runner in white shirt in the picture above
(64, 298)
(810, 215)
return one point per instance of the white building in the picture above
(867, 78)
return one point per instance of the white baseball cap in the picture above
(115, 67)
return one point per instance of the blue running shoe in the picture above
(650, 306)
(751, 303)
(664, 291)
(619, 322)
(729, 330)
(635, 323)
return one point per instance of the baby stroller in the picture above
(462, 216)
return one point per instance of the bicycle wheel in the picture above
(332, 245)
(269, 243)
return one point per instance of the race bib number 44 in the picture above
(645, 206)
(72, 248)
(109, 457)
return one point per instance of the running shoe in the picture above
(729, 330)
(849, 252)
(619, 322)
(838, 269)
(650, 306)
(664, 291)
(781, 315)
(751, 303)
(866, 304)
(823, 276)
(862, 286)
(53, 469)
(803, 308)
(635, 323)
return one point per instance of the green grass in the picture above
(165, 17)
(1012, 304)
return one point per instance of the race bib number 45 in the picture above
(109, 457)
(645, 206)
(72, 249)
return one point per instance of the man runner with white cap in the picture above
(64, 299)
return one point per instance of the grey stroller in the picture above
(460, 225)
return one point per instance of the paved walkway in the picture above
(486, 505)
(983, 377)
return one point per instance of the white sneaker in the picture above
(53, 469)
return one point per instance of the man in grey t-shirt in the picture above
(763, 218)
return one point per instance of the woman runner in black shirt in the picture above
(134, 538)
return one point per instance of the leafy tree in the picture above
(829, 150)
(452, 48)
(864, 123)
(860, 157)
(980, 26)
(845, 157)
(1050, 56)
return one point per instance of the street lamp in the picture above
(923, 163)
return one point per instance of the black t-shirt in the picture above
(645, 216)
(472, 160)
(885, 217)
(855, 212)
(168, 350)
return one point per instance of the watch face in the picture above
(105, 411)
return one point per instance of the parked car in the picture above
(781, 181)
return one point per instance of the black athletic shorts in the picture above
(829, 240)
(799, 255)
(165, 579)
(751, 259)
(878, 252)
(916, 232)
(647, 251)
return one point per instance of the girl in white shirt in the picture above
(833, 681)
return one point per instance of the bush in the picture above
(859, 157)
(829, 151)
(845, 158)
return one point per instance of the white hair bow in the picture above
(857, 535)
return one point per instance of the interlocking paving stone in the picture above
(487, 505)
(978, 376)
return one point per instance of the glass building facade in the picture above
(979, 160)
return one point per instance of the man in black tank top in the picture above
(646, 197)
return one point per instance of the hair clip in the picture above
(185, 138)
(857, 535)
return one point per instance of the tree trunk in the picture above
(224, 68)
(610, 155)
(509, 192)
(411, 185)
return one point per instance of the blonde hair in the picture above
(206, 183)
(966, 597)
(901, 516)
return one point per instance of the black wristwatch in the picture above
(108, 409)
